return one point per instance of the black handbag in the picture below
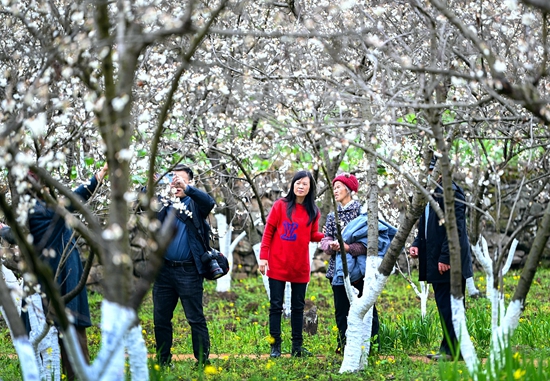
(216, 263)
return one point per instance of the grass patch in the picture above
(238, 324)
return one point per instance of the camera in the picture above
(209, 258)
(167, 179)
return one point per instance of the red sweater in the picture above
(285, 243)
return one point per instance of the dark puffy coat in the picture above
(201, 205)
(435, 247)
(51, 239)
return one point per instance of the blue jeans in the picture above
(185, 283)
(297, 304)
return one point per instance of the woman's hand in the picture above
(263, 266)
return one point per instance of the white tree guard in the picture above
(227, 247)
(137, 353)
(467, 349)
(357, 335)
(47, 351)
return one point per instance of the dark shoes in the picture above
(300, 352)
(440, 357)
(443, 357)
(296, 351)
(275, 350)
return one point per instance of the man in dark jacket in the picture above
(432, 249)
(181, 276)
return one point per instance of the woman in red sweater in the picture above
(292, 223)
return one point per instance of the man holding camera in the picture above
(181, 275)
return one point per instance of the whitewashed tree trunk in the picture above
(357, 335)
(467, 349)
(227, 247)
(46, 347)
(25, 352)
(30, 368)
(422, 294)
(471, 287)
(265, 279)
(15, 285)
(23, 347)
(503, 321)
(116, 320)
(137, 353)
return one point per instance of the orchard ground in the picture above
(237, 321)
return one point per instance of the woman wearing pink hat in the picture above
(344, 186)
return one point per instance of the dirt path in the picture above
(265, 356)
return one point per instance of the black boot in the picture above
(299, 351)
(275, 350)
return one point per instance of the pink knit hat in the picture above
(348, 180)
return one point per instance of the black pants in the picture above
(66, 364)
(442, 292)
(341, 310)
(297, 304)
(183, 283)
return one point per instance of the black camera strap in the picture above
(190, 225)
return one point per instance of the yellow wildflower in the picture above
(519, 373)
(210, 370)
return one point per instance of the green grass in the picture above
(238, 326)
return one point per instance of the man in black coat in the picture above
(432, 249)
